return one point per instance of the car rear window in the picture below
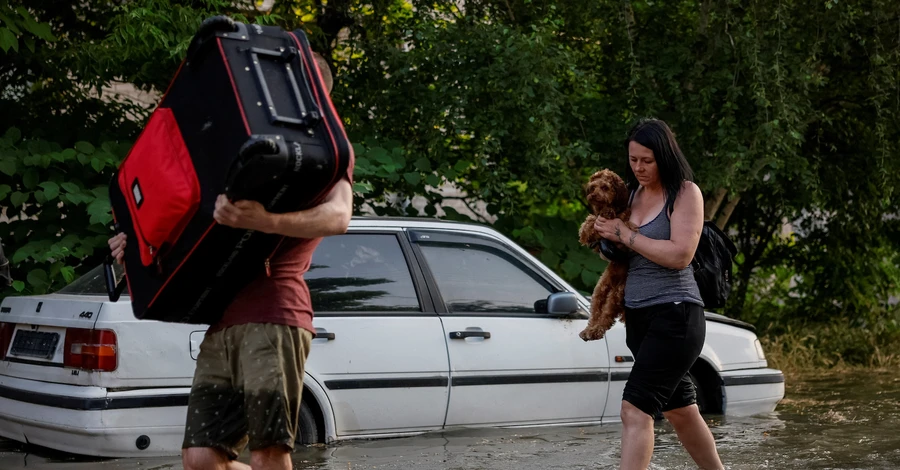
(93, 282)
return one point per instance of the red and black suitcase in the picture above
(248, 115)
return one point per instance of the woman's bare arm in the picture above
(686, 224)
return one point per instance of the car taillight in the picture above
(90, 349)
(6, 334)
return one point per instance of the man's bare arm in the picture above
(331, 217)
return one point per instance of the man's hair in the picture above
(326, 71)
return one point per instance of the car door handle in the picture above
(323, 333)
(470, 334)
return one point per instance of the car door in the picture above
(379, 350)
(509, 364)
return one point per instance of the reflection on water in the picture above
(835, 421)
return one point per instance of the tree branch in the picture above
(712, 205)
(727, 210)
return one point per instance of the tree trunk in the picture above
(712, 205)
(727, 211)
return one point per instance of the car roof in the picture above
(418, 222)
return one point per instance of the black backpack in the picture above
(712, 265)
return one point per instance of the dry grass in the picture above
(810, 349)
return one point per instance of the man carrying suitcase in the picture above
(249, 376)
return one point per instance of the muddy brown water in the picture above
(831, 421)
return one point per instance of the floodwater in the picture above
(834, 421)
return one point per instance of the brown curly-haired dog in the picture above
(607, 195)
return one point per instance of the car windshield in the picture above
(92, 282)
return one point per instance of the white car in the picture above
(422, 325)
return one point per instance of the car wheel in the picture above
(308, 429)
(701, 395)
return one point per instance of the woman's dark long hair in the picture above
(673, 167)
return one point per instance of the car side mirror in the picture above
(560, 304)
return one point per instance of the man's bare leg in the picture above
(271, 458)
(208, 458)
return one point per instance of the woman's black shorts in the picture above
(665, 339)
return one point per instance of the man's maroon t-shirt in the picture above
(280, 295)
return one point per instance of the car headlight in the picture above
(759, 350)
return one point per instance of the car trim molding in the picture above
(752, 379)
(530, 379)
(93, 404)
(406, 382)
(619, 376)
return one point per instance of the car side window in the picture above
(361, 273)
(479, 278)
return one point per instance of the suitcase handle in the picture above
(309, 115)
(208, 30)
(113, 288)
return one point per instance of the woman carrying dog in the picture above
(665, 324)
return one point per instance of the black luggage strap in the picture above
(113, 288)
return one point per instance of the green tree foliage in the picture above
(786, 109)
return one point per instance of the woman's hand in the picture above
(613, 230)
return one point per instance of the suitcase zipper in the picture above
(268, 265)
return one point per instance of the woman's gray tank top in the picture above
(651, 284)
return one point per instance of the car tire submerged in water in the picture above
(307, 429)
(701, 395)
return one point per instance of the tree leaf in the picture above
(462, 166)
(412, 178)
(397, 156)
(381, 155)
(38, 278)
(571, 268)
(550, 259)
(10, 24)
(423, 164)
(51, 190)
(589, 278)
(97, 164)
(100, 211)
(84, 147)
(68, 273)
(30, 178)
(8, 40)
(13, 134)
(8, 166)
(70, 187)
(4, 191)
(362, 188)
(19, 286)
(18, 198)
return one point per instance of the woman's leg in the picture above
(637, 438)
(695, 436)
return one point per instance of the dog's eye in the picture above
(604, 187)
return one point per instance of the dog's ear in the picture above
(589, 186)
